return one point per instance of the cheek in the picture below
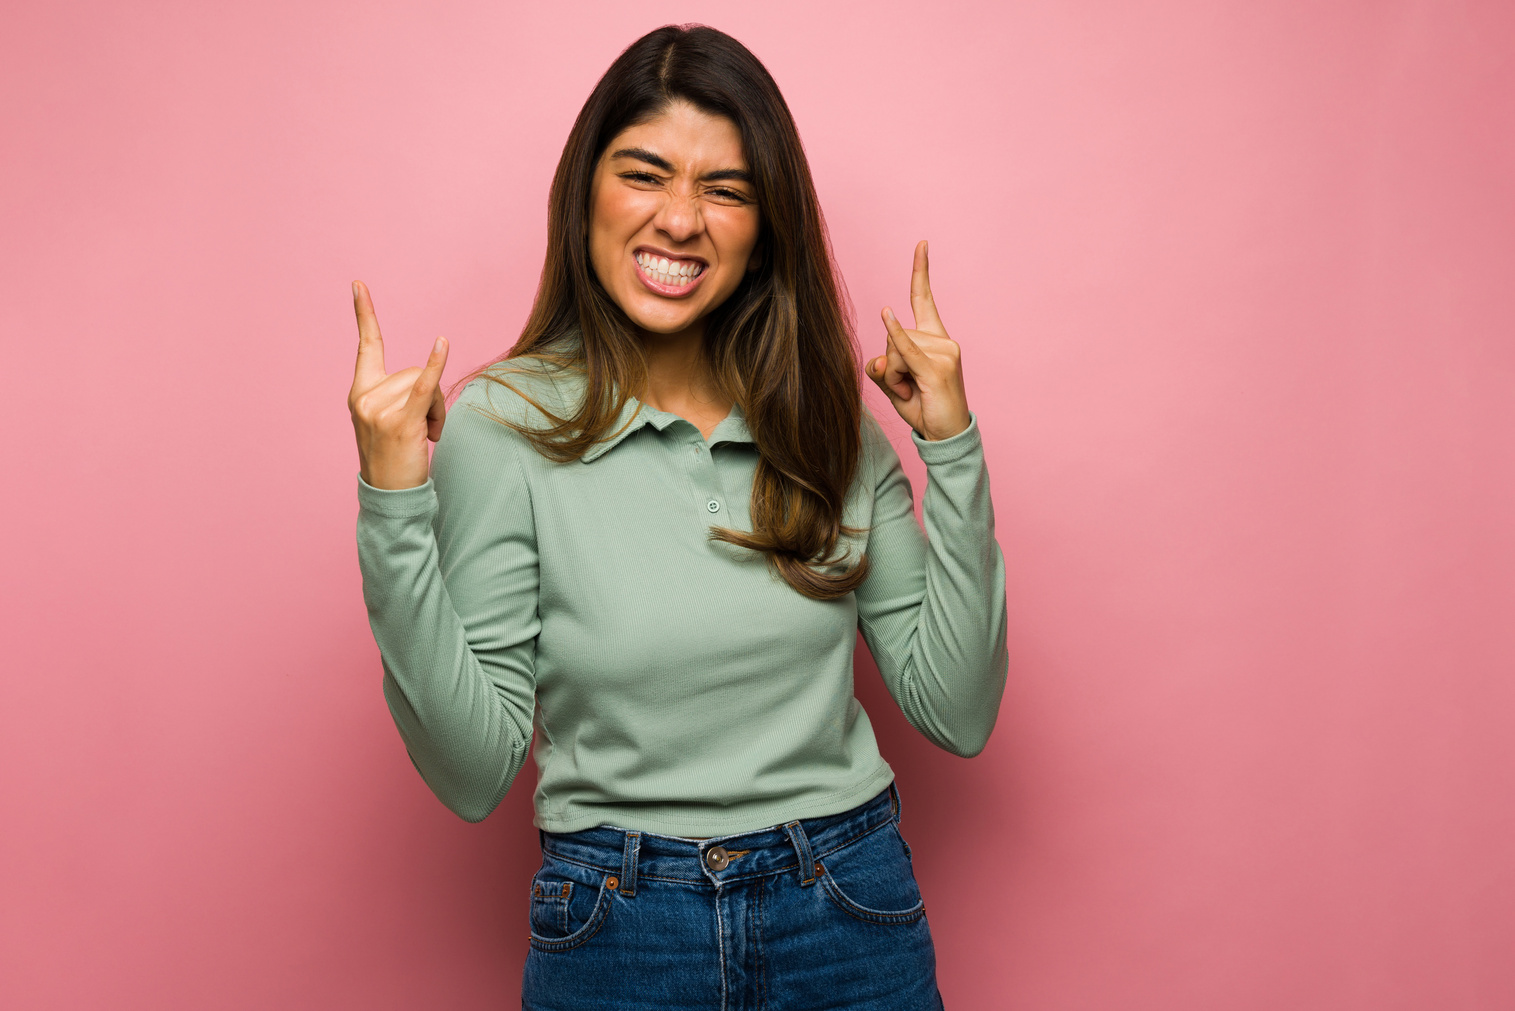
(616, 214)
(735, 230)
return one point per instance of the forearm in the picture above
(466, 730)
(941, 642)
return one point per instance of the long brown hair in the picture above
(782, 345)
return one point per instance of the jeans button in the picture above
(716, 858)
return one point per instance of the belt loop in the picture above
(629, 863)
(797, 836)
(895, 809)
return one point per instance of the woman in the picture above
(646, 543)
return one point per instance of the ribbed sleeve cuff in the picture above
(949, 450)
(397, 503)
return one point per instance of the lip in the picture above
(660, 251)
(668, 290)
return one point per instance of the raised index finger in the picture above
(370, 365)
(921, 302)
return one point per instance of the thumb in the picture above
(878, 371)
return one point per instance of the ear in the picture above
(755, 261)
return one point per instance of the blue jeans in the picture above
(817, 913)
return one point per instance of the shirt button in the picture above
(716, 858)
(713, 506)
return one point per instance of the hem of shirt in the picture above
(951, 448)
(721, 826)
(397, 503)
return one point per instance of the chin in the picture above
(661, 322)
(661, 328)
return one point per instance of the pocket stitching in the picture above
(556, 905)
(861, 912)
(591, 927)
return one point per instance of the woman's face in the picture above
(673, 218)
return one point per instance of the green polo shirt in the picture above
(668, 683)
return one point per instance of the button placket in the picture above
(706, 480)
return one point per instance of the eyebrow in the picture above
(651, 158)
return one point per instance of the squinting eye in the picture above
(641, 177)
(729, 194)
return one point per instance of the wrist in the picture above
(952, 448)
(392, 479)
(948, 429)
(397, 503)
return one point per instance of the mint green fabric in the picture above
(670, 683)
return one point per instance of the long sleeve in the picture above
(450, 582)
(932, 609)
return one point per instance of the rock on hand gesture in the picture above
(921, 371)
(393, 415)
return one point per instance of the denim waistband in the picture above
(793, 846)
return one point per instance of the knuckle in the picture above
(389, 422)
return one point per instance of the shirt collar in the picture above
(635, 414)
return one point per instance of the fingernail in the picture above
(437, 347)
(889, 312)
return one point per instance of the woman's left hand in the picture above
(922, 370)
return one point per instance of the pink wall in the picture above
(1236, 288)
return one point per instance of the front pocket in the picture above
(565, 912)
(871, 879)
(851, 908)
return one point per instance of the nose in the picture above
(679, 217)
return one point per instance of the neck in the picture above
(676, 368)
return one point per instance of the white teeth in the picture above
(676, 273)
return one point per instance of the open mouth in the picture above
(667, 276)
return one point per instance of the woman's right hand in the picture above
(393, 415)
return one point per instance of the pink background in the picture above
(1235, 284)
